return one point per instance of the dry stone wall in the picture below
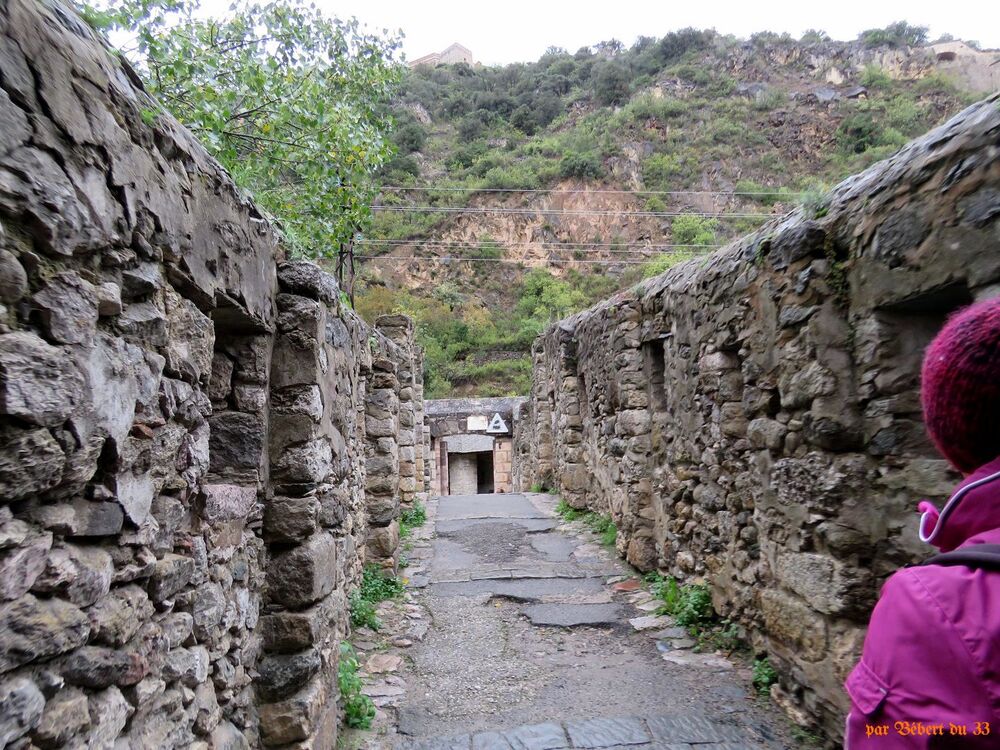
(183, 428)
(753, 418)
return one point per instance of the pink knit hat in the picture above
(960, 387)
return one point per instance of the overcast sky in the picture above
(503, 31)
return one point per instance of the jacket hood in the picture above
(972, 509)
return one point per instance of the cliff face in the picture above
(752, 418)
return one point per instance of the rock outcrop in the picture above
(752, 417)
(184, 427)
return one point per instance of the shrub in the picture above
(663, 262)
(858, 133)
(768, 99)
(690, 229)
(655, 204)
(659, 170)
(679, 43)
(513, 177)
(874, 77)
(766, 196)
(410, 137)
(815, 202)
(584, 166)
(359, 710)
(648, 107)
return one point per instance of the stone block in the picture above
(187, 665)
(33, 629)
(109, 712)
(205, 709)
(177, 627)
(220, 384)
(826, 584)
(288, 632)
(31, 462)
(66, 714)
(116, 618)
(298, 399)
(170, 574)
(308, 280)
(208, 606)
(280, 675)
(13, 279)
(383, 541)
(228, 502)
(766, 433)
(293, 719)
(308, 463)
(304, 574)
(20, 566)
(39, 384)
(381, 508)
(98, 667)
(794, 624)
(190, 340)
(67, 307)
(21, 706)
(236, 441)
(291, 519)
(226, 736)
(632, 422)
(81, 574)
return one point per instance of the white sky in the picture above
(503, 31)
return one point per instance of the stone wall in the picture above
(183, 421)
(752, 418)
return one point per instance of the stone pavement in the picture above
(532, 647)
(633, 733)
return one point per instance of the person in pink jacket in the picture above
(929, 675)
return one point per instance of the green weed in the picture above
(375, 587)
(411, 518)
(764, 675)
(358, 707)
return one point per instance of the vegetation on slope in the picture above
(693, 110)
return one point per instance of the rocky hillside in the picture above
(500, 212)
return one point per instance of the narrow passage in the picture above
(532, 647)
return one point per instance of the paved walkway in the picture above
(530, 647)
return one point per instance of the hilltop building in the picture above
(455, 53)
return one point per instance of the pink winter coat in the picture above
(929, 676)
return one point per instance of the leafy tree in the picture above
(899, 34)
(290, 101)
(611, 82)
(409, 138)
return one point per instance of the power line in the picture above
(566, 212)
(541, 261)
(575, 191)
(564, 245)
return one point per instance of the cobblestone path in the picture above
(531, 646)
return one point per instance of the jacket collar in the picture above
(973, 508)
